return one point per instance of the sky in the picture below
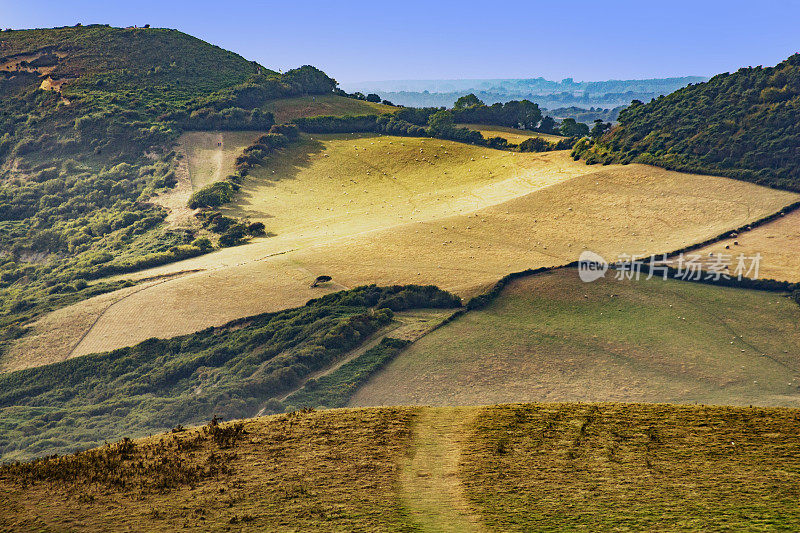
(356, 41)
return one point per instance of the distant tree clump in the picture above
(547, 125)
(514, 114)
(468, 100)
(570, 128)
(372, 97)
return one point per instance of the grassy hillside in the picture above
(289, 109)
(778, 243)
(744, 125)
(232, 371)
(459, 231)
(512, 135)
(552, 337)
(549, 467)
(88, 118)
(633, 468)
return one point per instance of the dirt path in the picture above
(430, 488)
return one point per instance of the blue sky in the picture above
(358, 41)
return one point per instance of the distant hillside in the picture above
(744, 125)
(546, 93)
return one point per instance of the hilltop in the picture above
(548, 467)
(89, 117)
(744, 125)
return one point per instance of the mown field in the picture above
(288, 109)
(512, 135)
(548, 467)
(381, 209)
(778, 243)
(552, 337)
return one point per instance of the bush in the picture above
(256, 229)
(213, 195)
(234, 235)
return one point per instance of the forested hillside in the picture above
(744, 125)
(88, 116)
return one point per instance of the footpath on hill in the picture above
(430, 488)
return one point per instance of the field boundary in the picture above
(482, 300)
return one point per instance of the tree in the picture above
(599, 128)
(441, 120)
(522, 113)
(571, 128)
(547, 125)
(466, 101)
(372, 97)
(321, 279)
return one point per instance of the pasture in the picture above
(778, 243)
(288, 109)
(380, 209)
(551, 337)
(512, 135)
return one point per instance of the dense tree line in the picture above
(233, 231)
(744, 125)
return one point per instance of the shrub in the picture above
(213, 195)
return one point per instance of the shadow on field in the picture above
(284, 165)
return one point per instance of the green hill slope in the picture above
(88, 118)
(542, 467)
(230, 371)
(744, 125)
(552, 337)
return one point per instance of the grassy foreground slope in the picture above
(547, 467)
(448, 220)
(744, 125)
(629, 467)
(551, 337)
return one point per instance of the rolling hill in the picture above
(238, 370)
(89, 116)
(745, 125)
(547, 467)
(455, 215)
(551, 337)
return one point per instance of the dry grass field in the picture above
(551, 337)
(211, 155)
(379, 209)
(778, 242)
(333, 471)
(512, 135)
(548, 467)
(288, 109)
(624, 467)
